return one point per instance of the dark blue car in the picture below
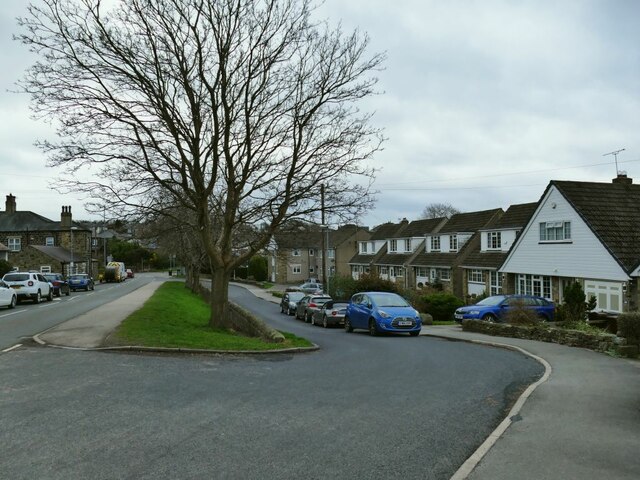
(494, 309)
(381, 312)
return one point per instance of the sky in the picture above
(482, 102)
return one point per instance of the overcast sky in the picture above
(483, 102)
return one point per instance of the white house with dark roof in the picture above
(372, 248)
(581, 231)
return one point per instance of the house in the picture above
(438, 262)
(402, 247)
(374, 247)
(488, 250)
(4, 252)
(296, 251)
(44, 245)
(581, 231)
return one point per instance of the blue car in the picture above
(495, 308)
(81, 281)
(381, 312)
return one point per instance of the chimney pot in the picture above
(623, 179)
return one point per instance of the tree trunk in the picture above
(219, 299)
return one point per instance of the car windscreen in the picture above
(16, 277)
(490, 301)
(387, 300)
(295, 296)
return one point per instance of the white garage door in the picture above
(608, 294)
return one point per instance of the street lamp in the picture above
(71, 269)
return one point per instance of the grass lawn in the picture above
(176, 317)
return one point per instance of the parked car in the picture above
(81, 281)
(59, 283)
(495, 308)
(289, 302)
(331, 313)
(130, 273)
(29, 286)
(311, 287)
(8, 296)
(309, 304)
(382, 312)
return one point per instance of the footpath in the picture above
(580, 421)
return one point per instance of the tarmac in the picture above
(581, 420)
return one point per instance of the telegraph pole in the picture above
(324, 245)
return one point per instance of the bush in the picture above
(629, 327)
(5, 267)
(342, 288)
(575, 308)
(373, 283)
(519, 314)
(258, 268)
(441, 306)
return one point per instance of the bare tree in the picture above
(236, 110)
(438, 210)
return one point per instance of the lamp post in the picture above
(71, 269)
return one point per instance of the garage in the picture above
(608, 294)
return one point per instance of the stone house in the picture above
(488, 249)
(438, 261)
(587, 232)
(38, 243)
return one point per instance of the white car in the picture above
(8, 296)
(29, 285)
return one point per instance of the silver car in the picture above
(331, 313)
(309, 305)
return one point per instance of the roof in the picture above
(434, 259)
(387, 230)
(58, 253)
(359, 259)
(419, 228)
(3, 247)
(25, 221)
(469, 222)
(394, 258)
(516, 216)
(612, 211)
(489, 260)
(344, 233)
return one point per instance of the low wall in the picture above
(574, 338)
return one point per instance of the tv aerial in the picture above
(615, 156)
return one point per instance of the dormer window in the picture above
(393, 245)
(453, 243)
(363, 247)
(435, 243)
(555, 231)
(494, 241)
(407, 245)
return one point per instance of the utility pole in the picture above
(615, 156)
(324, 245)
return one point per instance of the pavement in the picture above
(581, 420)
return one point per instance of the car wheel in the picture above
(50, 296)
(324, 321)
(313, 319)
(68, 292)
(73, 289)
(58, 293)
(347, 325)
(373, 330)
(37, 297)
(490, 318)
(14, 302)
(307, 318)
(415, 334)
(93, 287)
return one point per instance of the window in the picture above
(495, 283)
(311, 270)
(363, 247)
(296, 252)
(407, 245)
(422, 272)
(94, 242)
(393, 246)
(296, 269)
(384, 270)
(311, 252)
(494, 241)
(13, 244)
(476, 276)
(444, 274)
(435, 243)
(45, 269)
(331, 253)
(454, 243)
(537, 285)
(49, 242)
(555, 231)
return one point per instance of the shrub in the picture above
(373, 283)
(441, 306)
(629, 327)
(519, 314)
(258, 268)
(5, 267)
(342, 287)
(575, 308)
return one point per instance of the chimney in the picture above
(623, 179)
(65, 217)
(10, 204)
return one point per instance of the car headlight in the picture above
(383, 314)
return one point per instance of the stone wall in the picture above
(544, 333)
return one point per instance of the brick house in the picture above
(38, 243)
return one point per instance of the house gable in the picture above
(582, 255)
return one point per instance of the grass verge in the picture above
(175, 317)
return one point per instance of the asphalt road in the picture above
(28, 319)
(361, 407)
